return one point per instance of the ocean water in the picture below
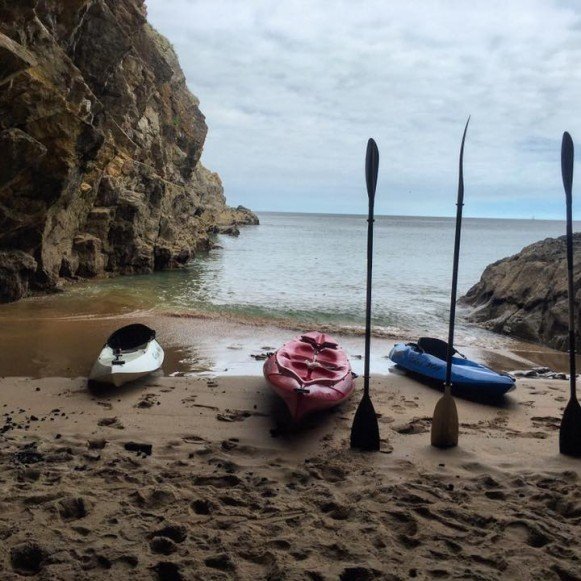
(309, 269)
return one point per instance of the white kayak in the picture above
(130, 353)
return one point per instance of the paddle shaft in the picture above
(459, 206)
(371, 170)
(370, 221)
(567, 154)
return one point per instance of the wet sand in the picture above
(34, 343)
(227, 491)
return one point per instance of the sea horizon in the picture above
(452, 217)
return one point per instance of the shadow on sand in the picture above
(473, 395)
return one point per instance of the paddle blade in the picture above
(445, 423)
(365, 429)
(570, 432)
(461, 159)
(371, 167)
(567, 156)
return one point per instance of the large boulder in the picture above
(100, 145)
(526, 296)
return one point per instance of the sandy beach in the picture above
(201, 478)
(237, 200)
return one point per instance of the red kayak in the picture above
(310, 373)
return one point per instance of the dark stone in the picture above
(137, 447)
(28, 455)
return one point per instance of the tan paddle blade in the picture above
(570, 432)
(365, 429)
(445, 423)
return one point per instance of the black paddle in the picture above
(570, 432)
(365, 430)
(445, 420)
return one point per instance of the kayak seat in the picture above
(319, 340)
(435, 347)
(130, 337)
(310, 365)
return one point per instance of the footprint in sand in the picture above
(154, 497)
(28, 558)
(526, 532)
(189, 401)
(226, 481)
(72, 508)
(168, 570)
(193, 439)
(225, 465)
(548, 422)
(111, 423)
(147, 401)
(203, 506)
(416, 426)
(234, 415)
(177, 533)
(386, 420)
(335, 511)
(222, 562)
(162, 546)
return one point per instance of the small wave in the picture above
(288, 323)
(81, 317)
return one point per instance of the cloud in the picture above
(292, 90)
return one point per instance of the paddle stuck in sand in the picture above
(570, 431)
(445, 420)
(365, 430)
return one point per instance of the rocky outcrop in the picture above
(100, 145)
(525, 295)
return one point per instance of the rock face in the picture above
(525, 295)
(100, 142)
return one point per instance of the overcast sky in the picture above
(292, 90)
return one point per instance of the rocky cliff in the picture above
(100, 142)
(525, 295)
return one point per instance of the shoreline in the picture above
(52, 346)
(228, 492)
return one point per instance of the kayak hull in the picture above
(468, 377)
(310, 377)
(128, 365)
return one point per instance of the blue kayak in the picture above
(427, 360)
